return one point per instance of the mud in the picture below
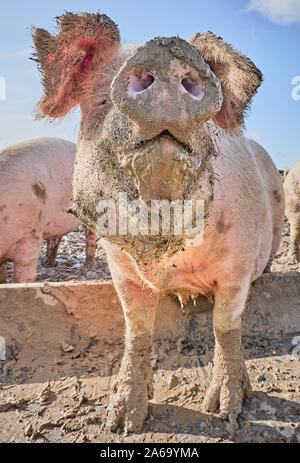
(55, 383)
(70, 262)
(72, 408)
(283, 261)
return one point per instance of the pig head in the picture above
(163, 121)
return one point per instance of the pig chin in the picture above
(162, 168)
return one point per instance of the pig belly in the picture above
(19, 223)
(201, 269)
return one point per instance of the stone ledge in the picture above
(94, 307)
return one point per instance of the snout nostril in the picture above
(139, 84)
(196, 89)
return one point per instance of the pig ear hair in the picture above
(239, 77)
(84, 42)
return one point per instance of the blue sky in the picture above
(268, 31)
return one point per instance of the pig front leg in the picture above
(128, 406)
(51, 253)
(25, 258)
(2, 273)
(230, 382)
(90, 248)
(295, 241)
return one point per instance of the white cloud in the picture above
(21, 53)
(278, 11)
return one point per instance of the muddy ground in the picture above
(70, 262)
(66, 401)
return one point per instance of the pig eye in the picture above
(79, 60)
(103, 102)
(196, 89)
(80, 57)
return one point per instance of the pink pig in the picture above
(164, 121)
(35, 194)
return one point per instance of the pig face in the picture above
(148, 112)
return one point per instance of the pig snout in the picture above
(167, 86)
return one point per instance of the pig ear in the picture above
(85, 42)
(239, 77)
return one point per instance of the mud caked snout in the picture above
(167, 85)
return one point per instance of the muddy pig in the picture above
(35, 194)
(162, 126)
(292, 207)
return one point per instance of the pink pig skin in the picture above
(35, 194)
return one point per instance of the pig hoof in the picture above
(228, 396)
(90, 263)
(49, 263)
(128, 407)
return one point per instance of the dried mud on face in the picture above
(62, 397)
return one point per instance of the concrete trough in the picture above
(46, 320)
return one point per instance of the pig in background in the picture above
(164, 121)
(292, 207)
(35, 194)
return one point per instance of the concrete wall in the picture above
(55, 330)
(93, 306)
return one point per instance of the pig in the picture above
(35, 194)
(292, 209)
(163, 121)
